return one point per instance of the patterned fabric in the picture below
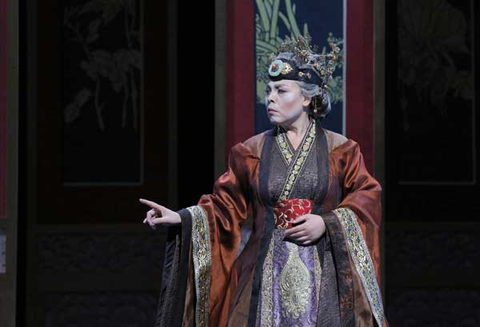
(201, 263)
(287, 210)
(291, 274)
(363, 262)
(290, 284)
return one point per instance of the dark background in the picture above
(84, 257)
(431, 163)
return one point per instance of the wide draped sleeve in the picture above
(216, 232)
(362, 195)
(354, 222)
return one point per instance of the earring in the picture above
(314, 104)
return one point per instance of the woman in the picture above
(312, 258)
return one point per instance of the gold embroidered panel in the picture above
(294, 283)
(266, 317)
(363, 262)
(287, 287)
(201, 263)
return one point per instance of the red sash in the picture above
(287, 210)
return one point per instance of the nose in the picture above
(270, 97)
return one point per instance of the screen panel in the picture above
(102, 74)
(101, 120)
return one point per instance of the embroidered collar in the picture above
(298, 160)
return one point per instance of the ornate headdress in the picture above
(315, 69)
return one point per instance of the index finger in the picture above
(151, 204)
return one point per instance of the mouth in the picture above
(271, 110)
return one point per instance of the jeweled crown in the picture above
(323, 64)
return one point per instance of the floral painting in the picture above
(102, 68)
(435, 54)
(435, 90)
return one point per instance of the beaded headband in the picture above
(317, 68)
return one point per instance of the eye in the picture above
(281, 91)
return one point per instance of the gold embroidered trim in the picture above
(294, 284)
(266, 316)
(201, 263)
(363, 262)
(299, 161)
(284, 147)
(317, 273)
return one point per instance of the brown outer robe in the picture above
(350, 185)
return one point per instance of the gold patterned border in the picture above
(317, 273)
(287, 153)
(266, 313)
(363, 262)
(201, 263)
(299, 161)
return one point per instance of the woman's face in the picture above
(284, 102)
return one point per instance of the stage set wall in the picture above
(84, 257)
(351, 22)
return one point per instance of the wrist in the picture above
(184, 214)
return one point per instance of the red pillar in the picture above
(240, 72)
(360, 76)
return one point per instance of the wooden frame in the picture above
(54, 197)
(9, 115)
